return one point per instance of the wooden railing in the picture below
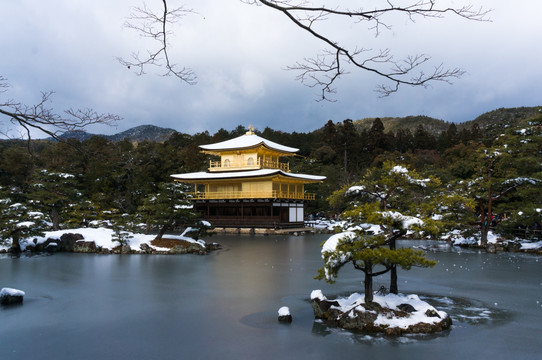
(258, 164)
(220, 195)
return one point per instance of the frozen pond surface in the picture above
(225, 305)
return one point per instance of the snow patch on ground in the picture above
(103, 237)
(531, 245)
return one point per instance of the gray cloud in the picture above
(239, 52)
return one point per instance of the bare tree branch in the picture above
(42, 118)
(153, 25)
(325, 69)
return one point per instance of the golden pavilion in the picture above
(250, 186)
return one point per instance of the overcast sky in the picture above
(239, 53)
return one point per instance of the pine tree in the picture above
(397, 200)
(167, 209)
(366, 253)
(54, 193)
(17, 221)
(511, 167)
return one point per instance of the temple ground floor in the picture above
(252, 213)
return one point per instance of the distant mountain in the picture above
(492, 121)
(432, 125)
(143, 132)
(78, 135)
(505, 117)
(135, 134)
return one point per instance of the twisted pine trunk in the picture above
(368, 282)
(394, 289)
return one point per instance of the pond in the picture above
(224, 305)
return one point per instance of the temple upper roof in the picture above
(247, 141)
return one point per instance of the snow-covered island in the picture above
(390, 314)
(102, 241)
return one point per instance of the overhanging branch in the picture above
(325, 69)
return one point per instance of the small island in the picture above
(390, 314)
(105, 241)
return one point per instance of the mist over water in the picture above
(224, 305)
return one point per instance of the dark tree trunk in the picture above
(162, 232)
(485, 220)
(15, 246)
(164, 228)
(393, 280)
(483, 234)
(484, 225)
(368, 282)
(394, 289)
(55, 219)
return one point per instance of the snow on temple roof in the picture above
(247, 141)
(244, 174)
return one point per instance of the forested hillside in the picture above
(76, 181)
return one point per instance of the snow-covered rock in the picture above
(284, 314)
(9, 296)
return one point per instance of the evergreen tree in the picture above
(122, 234)
(512, 167)
(448, 138)
(377, 141)
(54, 193)
(16, 163)
(404, 140)
(17, 221)
(329, 134)
(348, 141)
(168, 209)
(423, 140)
(396, 200)
(368, 254)
(476, 132)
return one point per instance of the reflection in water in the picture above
(225, 305)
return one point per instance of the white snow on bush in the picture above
(355, 189)
(399, 169)
(408, 221)
(331, 244)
